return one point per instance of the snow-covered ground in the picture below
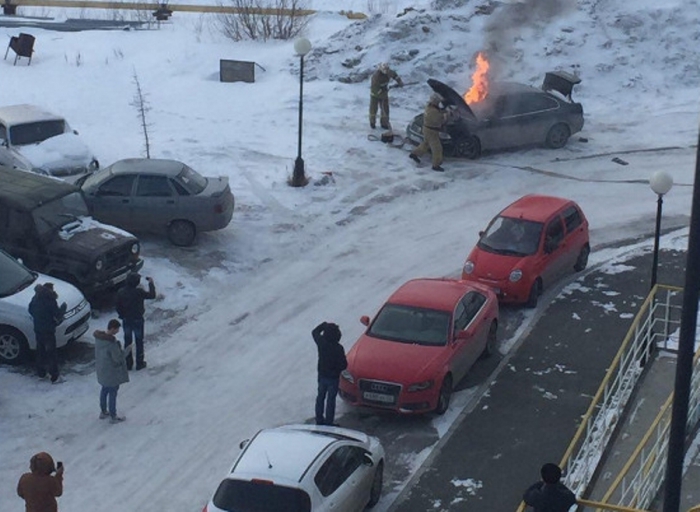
(228, 338)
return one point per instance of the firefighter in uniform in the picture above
(379, 95)
(433, 120)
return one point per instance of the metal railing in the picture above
(655, 323)
(643, 474)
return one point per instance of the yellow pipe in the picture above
(140, 6)
(607, 506)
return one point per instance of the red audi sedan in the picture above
(422, 342)
(528, 246)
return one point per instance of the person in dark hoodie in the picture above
(47, 315)
(110, 366)
(130, 309)
(40, 488)
(331, 362)
(549, 494)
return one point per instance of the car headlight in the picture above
(99, 264)
(468, 267)
(516, 275)
(135, 249)
(74, 311)
(347, 376)
(421, 386)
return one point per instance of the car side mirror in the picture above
(243, 443)
(481, 233)
(367, 459)
(549, 246)
(76, 132)
(364, 320)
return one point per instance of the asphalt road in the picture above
(540, 391)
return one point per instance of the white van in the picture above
(36, 140)
(17, 284)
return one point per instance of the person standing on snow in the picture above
(47, 315)
(331, 362)
(110, 366)
(379, 95)
(40, 488)
(434, 118)
(549, 494)
(130, 309)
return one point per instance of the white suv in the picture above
(16, 325)
(33, 139)
(303, 468)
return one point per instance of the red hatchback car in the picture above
(528, 246)
(421, 343)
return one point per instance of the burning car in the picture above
(503, 115)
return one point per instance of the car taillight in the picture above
(219, 208)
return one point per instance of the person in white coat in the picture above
(110, 365)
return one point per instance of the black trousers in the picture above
(46, 355)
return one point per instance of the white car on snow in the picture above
(303, 468)
(34, 139)
(17, 284)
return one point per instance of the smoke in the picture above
(510, 22)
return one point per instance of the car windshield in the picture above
(31, 133)
(192, 180)
(14, 277)
(407, 324)
(51, 216)
(511, 236)
(93, 179)
(260, 496)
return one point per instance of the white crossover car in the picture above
(303, 468)
(17, 284)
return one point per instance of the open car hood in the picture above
(451, 97)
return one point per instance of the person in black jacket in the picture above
(549, 494)
(331, 362)
(47, 315)
(130, 309)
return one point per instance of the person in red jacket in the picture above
(40, 488)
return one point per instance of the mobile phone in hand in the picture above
(59, 465)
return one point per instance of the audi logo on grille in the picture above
(382, 388)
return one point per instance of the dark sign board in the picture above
(236, 71)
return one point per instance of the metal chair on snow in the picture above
(23, 46)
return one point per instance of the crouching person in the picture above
(110, 364)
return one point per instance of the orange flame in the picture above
(480, 81)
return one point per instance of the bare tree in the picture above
(140, 102)
(254, 19)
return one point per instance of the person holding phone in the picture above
(40, 488)
(131, 310)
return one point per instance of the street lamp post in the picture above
(686, 348)
(660, 182)
(302, 46)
